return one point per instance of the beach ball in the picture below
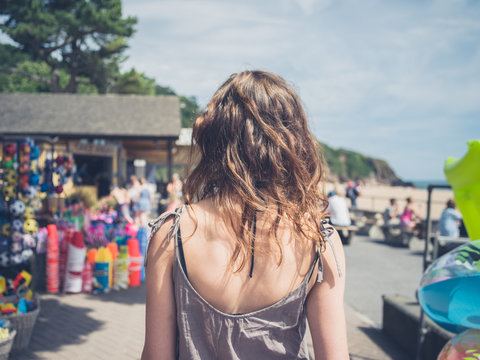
(16, 236)
(11, 177)
(27, 254)
(8, 191)
(29, 192)
(17, 208)
(465, 345)
(28, 213)
(16, 247)
(449, 290)
(16, 259)
(30, 226)
(4, 259)
(17, 225)
(28, 241)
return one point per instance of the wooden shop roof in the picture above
(90, 116)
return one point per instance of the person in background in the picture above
(234, 273)
(175, 186)
(410, 217)
(391, 213)
(133, 191)
(175, 192)
(143, 204)
(120, 194)
(450, 220)
(352, 192)
(338, 209)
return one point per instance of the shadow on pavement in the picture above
(390, 244)
(58, 325)
(387, 345)
(130, 296)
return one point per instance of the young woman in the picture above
(236, 273)
(143, 203)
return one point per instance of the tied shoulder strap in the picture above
(327, 231)
(156, 224)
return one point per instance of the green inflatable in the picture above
(464, 177)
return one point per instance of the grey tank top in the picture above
(204, 332)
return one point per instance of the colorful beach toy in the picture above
(103, 263)
(465, 345)
(464, 177)
(450, 288)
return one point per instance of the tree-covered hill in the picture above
(345, 165)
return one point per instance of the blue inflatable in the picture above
(449, 291)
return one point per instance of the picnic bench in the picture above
(365, 219)
(346, 233)
(395, 235)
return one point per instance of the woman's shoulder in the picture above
(161, 237)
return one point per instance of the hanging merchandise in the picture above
(62, 166)
(17, 204)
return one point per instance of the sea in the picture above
(423, 184)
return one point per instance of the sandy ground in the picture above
(376, 197)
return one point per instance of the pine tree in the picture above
(84, 38)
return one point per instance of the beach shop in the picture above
(109, 136)
(51, 146)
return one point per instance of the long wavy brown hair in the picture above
(257, 154)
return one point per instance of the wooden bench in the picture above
(395, 235)
(346, 233)
(365, 219)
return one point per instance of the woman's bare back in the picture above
(208, 246)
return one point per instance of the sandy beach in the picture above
(376, 197)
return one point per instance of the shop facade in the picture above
(110, 137)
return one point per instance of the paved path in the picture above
(111, 326)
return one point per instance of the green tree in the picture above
(133, 82)
(83, 38)
(164, 90)
(11, 56)
(189, 110)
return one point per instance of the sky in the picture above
(396, 80)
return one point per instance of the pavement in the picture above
(111, 326)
